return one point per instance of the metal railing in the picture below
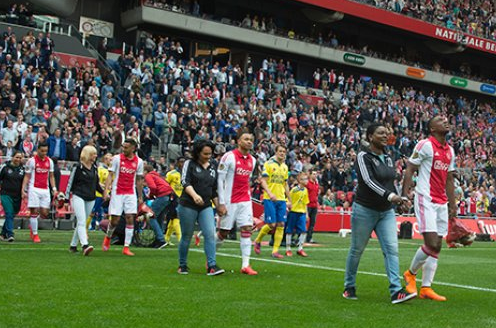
(72, 31)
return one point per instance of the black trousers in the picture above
(312, 213)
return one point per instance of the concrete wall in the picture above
(147, 15)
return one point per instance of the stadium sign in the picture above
(415, 72)
(488, 88)
(458, 82)
(354, 59)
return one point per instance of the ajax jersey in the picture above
(234, 172)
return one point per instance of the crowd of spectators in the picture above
(184, 99)
(327, 38)
(476, 17)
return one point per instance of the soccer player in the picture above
(297, 218)
(434, 160)
(173, 177)
(233, 187)
(276, 198)
(39, 171)
(126, 176)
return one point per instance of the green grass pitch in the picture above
(45, 286)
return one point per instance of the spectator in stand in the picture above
(57, 145)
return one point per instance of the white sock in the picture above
(301, 241)
(218, 241)
(129, 235)
(428, 271)
(34, 224)
(288, 242)
(81, 231)
(418, 260)
(110, 230)
(245, 245)
(75, 238)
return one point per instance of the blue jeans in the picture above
(187, 218)
(364, 220)
(11, 206)
(159, 208)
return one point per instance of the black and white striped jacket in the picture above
(375, 180)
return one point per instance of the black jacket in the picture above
(375, 180)
(204, 181)
(83, 183)
(11, 179)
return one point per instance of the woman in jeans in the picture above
(83, 183)
(373, 211)
(11, 177)
(199, 179)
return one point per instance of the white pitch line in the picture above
(303, 265)
(311, 266)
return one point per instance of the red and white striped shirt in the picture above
(125, 171)
(234, 172)
(435, 161)
(40, 171)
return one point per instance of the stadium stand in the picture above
(172, 98)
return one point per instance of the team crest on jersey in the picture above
(389, 162)
(9, 171)
(198, 170)
(376, 162)
(133, 164)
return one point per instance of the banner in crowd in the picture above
(311, 100)
(406, 23)
(70, 59)
(96, 27)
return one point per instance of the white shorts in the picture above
(38, 198)
(123, 203)
(239, 213)
(431, 217)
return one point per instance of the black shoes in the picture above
(350, 293)
(214, 270)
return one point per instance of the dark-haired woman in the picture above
(373, 211)
(199, 180)
(11, 177)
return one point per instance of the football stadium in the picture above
(271, 163)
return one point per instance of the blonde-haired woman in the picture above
(83, 184)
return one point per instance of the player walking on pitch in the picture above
(234, 172)
(434, 160)
(126, 176)
(276, 199)
(39, 170)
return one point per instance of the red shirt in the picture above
(125, 171)
(158, 186)
(39, 170)
(313, 194)
(234, 174)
